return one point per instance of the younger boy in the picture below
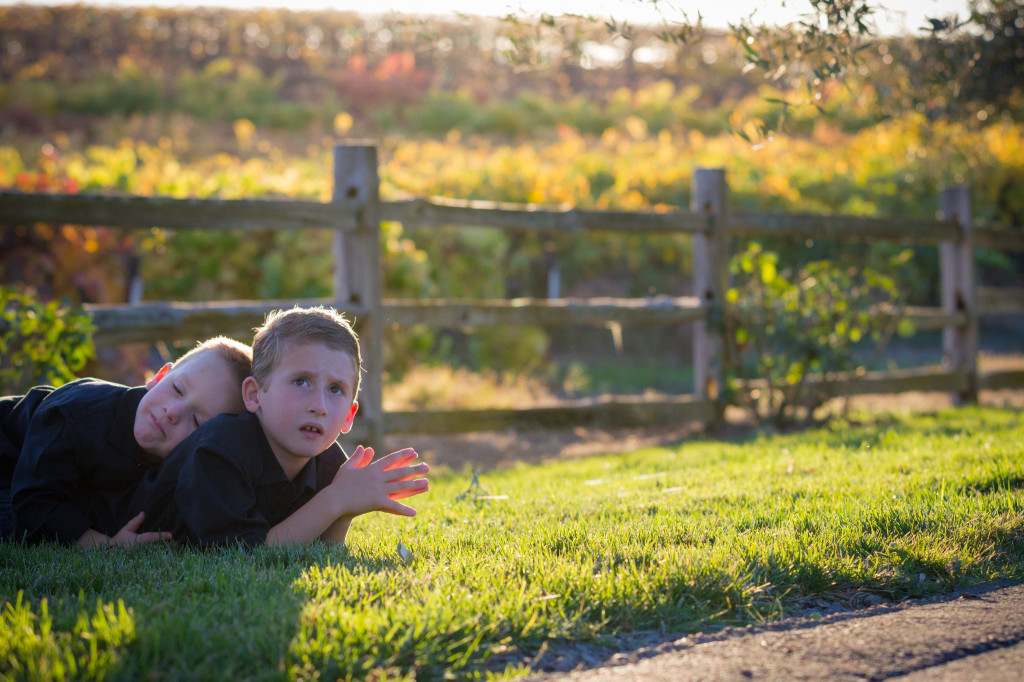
(275, 474)
(88, 443)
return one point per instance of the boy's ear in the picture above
(347, 426)
(251, 394)
(159, 375)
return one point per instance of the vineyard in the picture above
(239, 104)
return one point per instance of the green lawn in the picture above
(676, 540)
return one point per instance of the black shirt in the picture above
(223, 484)
(78, 462)
(15, 414)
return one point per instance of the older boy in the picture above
(89, 443)
(275, 474)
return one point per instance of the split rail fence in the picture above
(356, 211)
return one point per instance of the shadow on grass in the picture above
(219, 614)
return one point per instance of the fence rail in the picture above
(354, 216)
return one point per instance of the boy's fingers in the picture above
(408, 473)
(420, 485)
(398, 459)
(361, 457)
(134, 524)
(400, 509)
(400, 494)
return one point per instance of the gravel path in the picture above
(973, 634)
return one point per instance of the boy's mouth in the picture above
(311, 428)
(156, 425)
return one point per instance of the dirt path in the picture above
(972, 634)
(489, 450)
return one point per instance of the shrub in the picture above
(40, 342)
(787, 325)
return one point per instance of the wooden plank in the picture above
(924, 318)
(924, 380)
(440, 212)
(541, 312)
(903, 381)
(606, 412)
(999, 300)
(920, 231)
(710, 278)
(998, 238)
(994, 381)
(932, 318)
(175, 214)
(357, 278)
(293, 214)
(170, 321)
(152, 322)
(960, 343)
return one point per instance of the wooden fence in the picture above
(356, 211)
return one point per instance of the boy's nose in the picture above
(172, 414)
(318, 405)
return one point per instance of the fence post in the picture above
(357, 272)
(956, 267)
(711, 280)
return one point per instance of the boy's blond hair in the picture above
(236, 356)
(316, 324)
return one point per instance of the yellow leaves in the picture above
(343, 123)
(636, 127)
(626, 167)
(244, 132)
(777, 185)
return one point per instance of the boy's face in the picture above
(306, 402)
(177, 402)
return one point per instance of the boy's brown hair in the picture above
(236, 355)
(316, 324)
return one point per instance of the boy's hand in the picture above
(129, 535)
(375, 486)
(126, 537)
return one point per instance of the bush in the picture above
(790, 324)
(40, 343)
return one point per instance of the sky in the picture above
(897, 17)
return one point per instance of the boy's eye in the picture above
(301, 381)
(337, 390)
(195, 420)
(177, 389)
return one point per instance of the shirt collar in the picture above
(122, 428)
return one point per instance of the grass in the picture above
(676, 540)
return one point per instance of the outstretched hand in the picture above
(129, 536)
(376, 486)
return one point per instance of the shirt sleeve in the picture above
(15, 415)
(45, 481)
(216, 502)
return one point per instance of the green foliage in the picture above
(224, 89)
(676, 540)
(33, 647)
(40, 343)
(785, 327)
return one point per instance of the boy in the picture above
(275, 474)
(86, 445)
